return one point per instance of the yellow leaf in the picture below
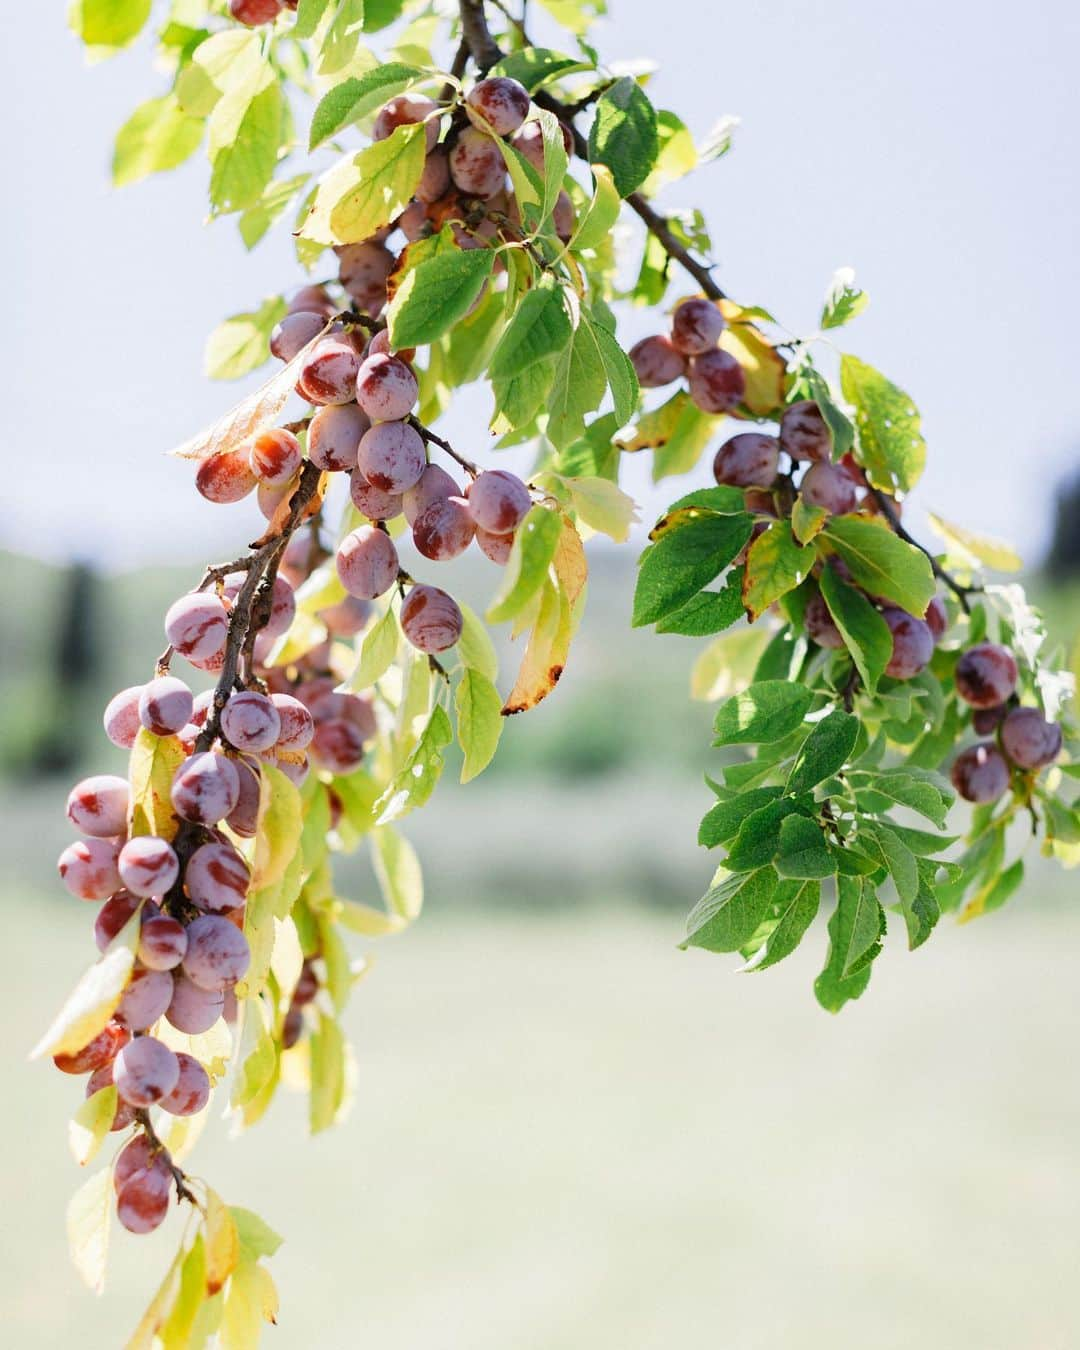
(90, 1125)
(281, 820)
(89, 1005)
(88, 1216)
(763, 366)
(222, 1242)
(153, 1319)
(569, 562)
(545, 654)
(368, 921)
(976, 548)
(154, 761)
(603, 506)
(252, 415)
(176, 1333)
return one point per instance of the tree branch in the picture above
(474, 26)
(961, 591)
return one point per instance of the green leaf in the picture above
(812, 384)
(257, 1238)
(854, 940)
(539, 330)
(530, 557)
(90, 1126)
(537, 66)
(891, 445)
(807, 520)
(157, 136)
(308, 15)
(599, 217)
(414, 783)
(241, 344)
(364, 192)
(906, 790)
(377, 652)
(796, 903)
(722, 821)
(354, 98)
(866, 634)
(436, 294)
(758, 839)
(767, 711)
(844, 300)
(327, 1059)
(728, 915)
(881, 563)
(897, 857)
(581, 380)
(921, 914)
(824, 751)
(281, 822)
(775, 564)
(475, 647)
(619, 369)
(602, 505)
(624, 134)
(244, 164)
(677, 155)
(709, 611)
(479, 722)
(803, 853)
(177, 1331)
(152, 765)
(109, 23)
(684, 560)
(397, 870)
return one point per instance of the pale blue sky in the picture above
(933, 147)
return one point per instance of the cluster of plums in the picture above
(715, 379)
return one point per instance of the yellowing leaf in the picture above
(364, 192)
(176, 1334)
(534, 546)
(281, 820)
(369, 922)
(603, 506)
(154, 761)
(775, 564)
(154, 1318)
(762, 365)
(976, 548)
(89, 1005)
(91, 1123)
(222, 1242)
(88, 1216)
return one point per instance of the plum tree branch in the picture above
(958, 589)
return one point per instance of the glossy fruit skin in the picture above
(495, 546)
(980, 773)
(819, 623)
(937, 617)
(98, 1052)
(696, 326)
(717, 382)
(656, 362)
(338, 745)
(217, 955)
(148, 865)
(88, 868)
(205, 788)
(193, 1010)
(498, 501)
(371, 501)
(1029, 740)
(334, 436)
(192, 1090)
(986, 675)
(367, 562)
(386, 388)
(162, 943)
(121, 717)
(476, 164)
(328, 375)
(501, 102)
(431, 619)
(144, 1071)
(405, 110)
(98, 806)
(197, 625)
(747, 460)
(297, 725)
(913, 643)
(275, 456)
(804, 433)
(433, 485)
(165, 705)
(294, 332)
(445, 530)
(829, 486)
(391, 456)
(249, 721)
(985, 721)
(216, 877)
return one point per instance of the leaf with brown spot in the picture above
(653, 429)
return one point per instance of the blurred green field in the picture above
(567, 1133)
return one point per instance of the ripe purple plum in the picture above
(141, 1204)
(112, 916)
(313, 300)
(434, 485)
(275, 456)
(363, 269)
(217, 954)
(986, 675)
(498, 501)
(254, 13)
(205, 788)
(476, 163)
(913, 643)
(197, 625)
(98, 806)
(349, 616)
(819, 624)
(435, 180)
(294, 332)
(405, 110)
(937, 617)
(529, 143)
(500, 102)
(495, 546)
(162, 943)
(145, 1070)
(656, 361)
(334, 435)
(717, 382)
(986, 720)
(217, 877)
(328, 375)
(88, 868)
(121, 719)
(243, 819)
(386, 388)
(367, 562)
(225, 477)
(192, 1090)
(165, 705)
(297, 724)
(980, 774)
(829, 486)
(193, 1010)
(371, 501)
(249, 721)
(338, 745)
(563, 216)
(1029, 740)
(148, 865)
(146, 996)
(445, 530)
(391, 456)
(804, 433)
(747, 460)
(430, 619)
(696, 326)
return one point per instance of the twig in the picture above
(444, 445)
(483, 47)
(961, 591)
(179, 1176)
